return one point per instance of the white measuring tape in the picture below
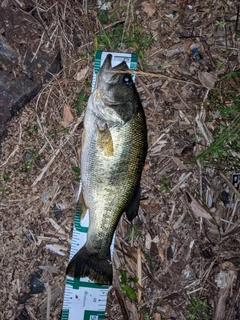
(83, 299)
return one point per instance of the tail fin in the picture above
(93, 265)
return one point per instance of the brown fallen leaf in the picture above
(148, 241)
(233, 83)
(227, 265)
(162, 247)
(145, 206)
(146, 167)
(157, 316)
(149, 7)
(67, 116)
(207, 79)
(81, 74)
(197, 208)
(187, 45)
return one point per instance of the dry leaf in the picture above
(4, 4)
(67, 116)
(162, 246)
(155, 239)
(157, 316)
(187, 45)
(148, 241)
(149, 7)
(207, 79)
(198, 209)
(145, 206)
(146, 167)
(227, 265)
(233, 83)
(81, 74)
(179, 163)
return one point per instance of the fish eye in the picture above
(127, 79)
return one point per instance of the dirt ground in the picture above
(184, 245)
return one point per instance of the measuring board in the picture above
(83, 299)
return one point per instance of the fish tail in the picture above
(96, 266)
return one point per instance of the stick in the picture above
(180, 182)
(139, 273)
(16, 147)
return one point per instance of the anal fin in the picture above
(132, 209)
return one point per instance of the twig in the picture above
(121, 304)
(30, 313)
(204, 130)
(237, 19)
(179, 96)
(180, 182)
(39, 45)
(232, 215)
(16, 147)
(172, 212)
(201, 192)
(231, 48)
(132, 235)
(150, 95)
(43, 133)
(48, 289)
(139, 273)
(198, 289)
(125, 23)
(160, 138)
(157, 75)
(1, 236)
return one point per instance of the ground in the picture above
(184, 245)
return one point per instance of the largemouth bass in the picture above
(114, 148)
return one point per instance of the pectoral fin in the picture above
(132, 209)
(105, 142)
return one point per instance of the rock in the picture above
(26, 61)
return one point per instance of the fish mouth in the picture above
(107, 64)
(107, 72)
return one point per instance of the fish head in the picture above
(115, 88)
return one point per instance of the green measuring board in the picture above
(83, 299)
